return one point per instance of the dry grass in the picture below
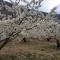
(35, 50)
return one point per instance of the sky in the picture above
(47, 5)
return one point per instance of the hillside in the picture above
(6, 10)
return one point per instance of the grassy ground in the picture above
(35, 50)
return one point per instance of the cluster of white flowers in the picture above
(30, 24)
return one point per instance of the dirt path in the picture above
(34, 46)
